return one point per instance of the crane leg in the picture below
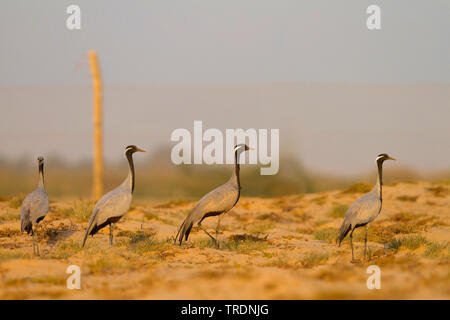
(111, 227)
(351, 244)
(33, 239)
(213, 239)
(365, 241)
(35, 242)
(217, 231)
(37, 245)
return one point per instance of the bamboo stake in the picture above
(97, 187)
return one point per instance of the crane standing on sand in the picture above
(34, 207)
(115, 204)
(366, 209)
(215, 203)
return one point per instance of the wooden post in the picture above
(97, 187)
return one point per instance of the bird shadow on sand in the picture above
(248, 237)
(54, 235)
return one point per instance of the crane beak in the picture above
(251, 149)
(140, 150)
(393, 159)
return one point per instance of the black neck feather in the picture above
(41, 171)
(131, 164)
(380, 175)
(237, 168)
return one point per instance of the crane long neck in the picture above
(130, 177)
(41, 176)
(379, 184)
(235, 175)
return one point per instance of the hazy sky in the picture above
(204, 41)
(339, 93)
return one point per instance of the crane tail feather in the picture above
(184, 230)
(25, 222)
(343, 231)
(178, 233)
(89, 228)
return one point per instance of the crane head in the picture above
(133, 149)
(384, 156)
(242, 147)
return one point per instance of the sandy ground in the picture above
(276, 248)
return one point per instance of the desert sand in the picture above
(270, 248)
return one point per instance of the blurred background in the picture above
(339, 93)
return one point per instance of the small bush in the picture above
(359, 187)
(438, 191)
(8, 215)
(338, 211)
(106, 264)
(142, 243)
(9, 254)
(328, 234)
(319, 200)
(81, 210)
(314, 258)
(435, 249)
(66, 249)
(260, 227)
(140, 236)
(407, 198)
(409, 242)
(244, 246)
(282, 261)
(16, 201)
(172, 204)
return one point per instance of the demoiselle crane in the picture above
(215, 203)
(366, 209)
(34, 207)
(115, 204)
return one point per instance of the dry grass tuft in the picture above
(338, 211)
(9, 215)
(10, 254)
(261, 227)
(8, 232)
(407, 198)
(247, 237)
(108, 263)
(434, 250)
(172, 204)
(326, 234)
(408, 242)
(81, 210)
(66, 249)
(314, 258)
(359, 187)
(244, 243)
(319, 200)
(16, 202)
(438, 191)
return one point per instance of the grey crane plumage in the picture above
(214, 203)
(34, 207)
(115, 204)
(366, 209)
